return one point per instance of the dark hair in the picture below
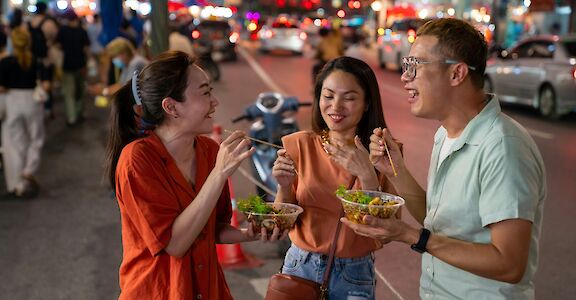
(41, 8)
(165, 76)
(373, 116)
(460, 41)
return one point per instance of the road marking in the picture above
(260, 72)
(387, 283)
(540, 134)
(260, 285)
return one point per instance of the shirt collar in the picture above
(475, 132)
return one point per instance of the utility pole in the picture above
(159, 32)
(572, 20)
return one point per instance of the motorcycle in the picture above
(271, 114)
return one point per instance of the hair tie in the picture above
(135, 89)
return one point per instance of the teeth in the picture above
(336, 117)
(413, 93)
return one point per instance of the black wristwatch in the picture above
(420, 246)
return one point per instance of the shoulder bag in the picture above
(290, 287)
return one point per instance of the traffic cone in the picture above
(231, 256)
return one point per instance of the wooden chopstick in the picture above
(257, 140)
(389, 157)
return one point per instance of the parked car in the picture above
(282, 35)
(539, 71)
(217, 36)
(396, 42)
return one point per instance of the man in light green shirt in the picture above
(482, 212)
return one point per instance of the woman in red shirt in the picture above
(170, 182)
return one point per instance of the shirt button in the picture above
(199, 296)
(428, 269)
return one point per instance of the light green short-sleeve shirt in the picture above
(494, 172)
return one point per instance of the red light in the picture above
(195, 34)
(341, 13)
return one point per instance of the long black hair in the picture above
(165, 76)
(373, 115)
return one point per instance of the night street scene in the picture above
(224, 149)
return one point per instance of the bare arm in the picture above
(503, 259)
(403, 181)
(285, 174)
(192, 220)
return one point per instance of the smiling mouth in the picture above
(210, 114)
(336, 117)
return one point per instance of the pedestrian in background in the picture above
(23, 124)
(74, 41)
(124, 57)
(171, 182)
(482, 212)
(346, 108)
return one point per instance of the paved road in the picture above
(66, 243)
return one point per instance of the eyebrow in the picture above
(204, 85)
(346, 92)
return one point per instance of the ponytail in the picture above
(123, 129)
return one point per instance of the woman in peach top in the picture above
(346, 108)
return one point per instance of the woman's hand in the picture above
(283, 169)
(355, 159)
(378, 155)
(233, 150)
(264, 236)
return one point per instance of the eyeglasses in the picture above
(409, 64)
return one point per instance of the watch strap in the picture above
(420, 246)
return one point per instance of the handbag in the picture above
(39, 94)
(290, 287)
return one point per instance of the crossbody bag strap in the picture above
(324, 287)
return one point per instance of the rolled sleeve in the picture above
(509, 183)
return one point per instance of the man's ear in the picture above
(458, 74)
(169, 106)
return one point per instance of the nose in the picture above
(215, 101)
(338, 102)
(405, 78)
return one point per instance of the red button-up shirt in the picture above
(151, 193)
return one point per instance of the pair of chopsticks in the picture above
(280, 147)
(257, 140)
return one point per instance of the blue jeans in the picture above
(350, 278)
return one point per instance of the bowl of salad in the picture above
(359, 203)
(269, 215)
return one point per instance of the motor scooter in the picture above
(271, 114)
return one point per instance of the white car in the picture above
(396, 41)
(539, 71)
(282, 36)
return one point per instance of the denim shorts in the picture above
(350, 278)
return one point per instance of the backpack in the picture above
(39, 46)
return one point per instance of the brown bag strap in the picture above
(324, 287)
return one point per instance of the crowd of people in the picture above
(47, 58)
(479, 220)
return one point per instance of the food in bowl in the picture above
(269, 215)
(359, 203)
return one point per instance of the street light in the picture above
(376, 5)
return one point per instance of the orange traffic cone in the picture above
(231, 255)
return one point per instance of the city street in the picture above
(66, 243)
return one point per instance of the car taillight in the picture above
(411, 36)
(195, 34)
(303, 35)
